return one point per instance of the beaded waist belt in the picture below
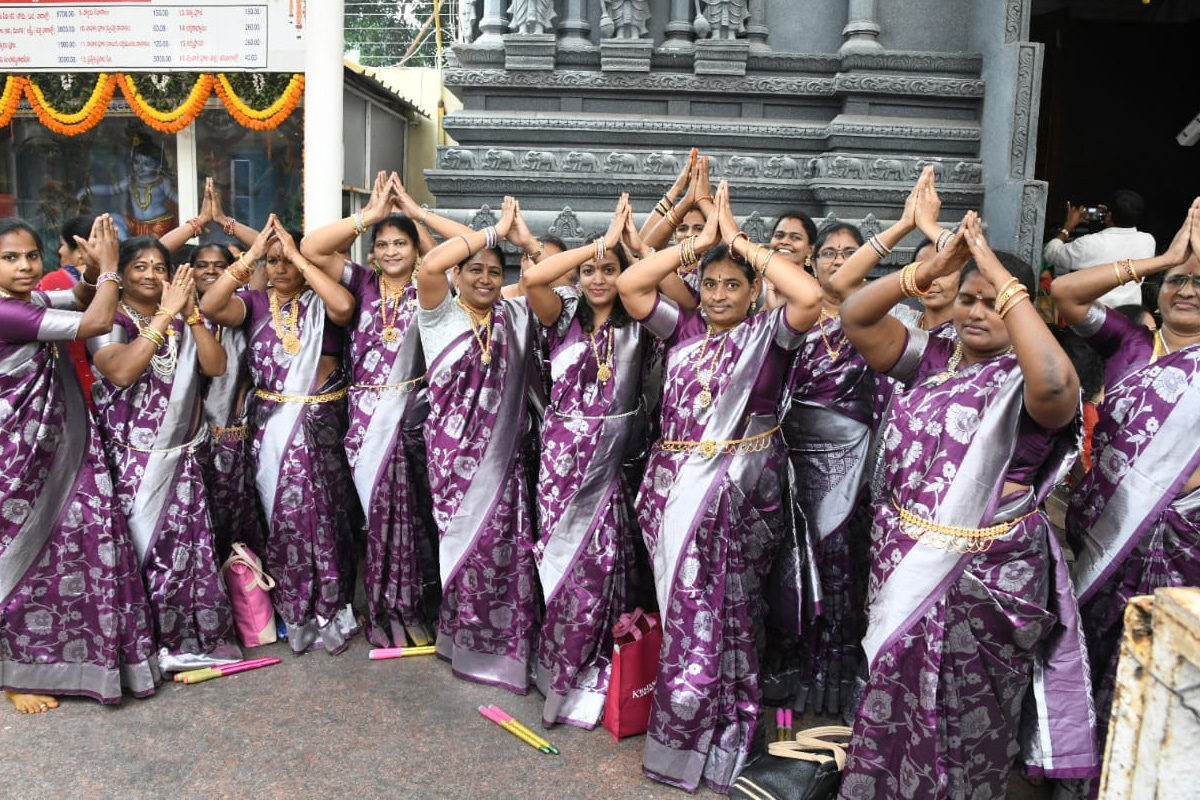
(185, 446)
(233, 433)
(950, 538)
(399, 388)
(733, 447)
(580, 415)
(307, 399)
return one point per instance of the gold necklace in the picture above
(288, 328)
(952, 365)
(833, 354)
(5, 294)
(705, 376)
(604, 370)
(480, 324)
(388, 294)
(163, 365)
(137, 191)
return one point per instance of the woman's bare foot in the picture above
(31, 703)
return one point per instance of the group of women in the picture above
(837, 498)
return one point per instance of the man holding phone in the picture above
(1118, 240)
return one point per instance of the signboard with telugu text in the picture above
(152, 36)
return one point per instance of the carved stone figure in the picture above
(658, 163)
(539, 160)
(566, 225)
(620, 162)
(720, 19)
(782, 167)
(755, 227)
(580, 161)
(457, 158)
(816, 168)
(967, 172)
(624, 19)
(499, 159)
(887, 169)
(843, 167)
(531, 16)
(743, 166)
(920, 165)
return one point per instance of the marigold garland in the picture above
(10, 98)
(82, 120)
(175, 119)
(260, 119)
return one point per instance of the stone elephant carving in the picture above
(620, 162)
(579, 161)
(539, 160)
(887, 169)
(743, 166)
(782, 167)
(924, 162)
(499, 159)
(853, 168)
(457, 158)
(967, 172)
(816, 168)
(658, 163)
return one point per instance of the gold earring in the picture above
(808, 262)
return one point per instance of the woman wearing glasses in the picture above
(1134, 519)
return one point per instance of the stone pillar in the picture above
(756, 27)
(679, 30)
(573, 28)
(861, 29)
(323, 113)
(491, 27)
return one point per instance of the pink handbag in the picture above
(249, 592)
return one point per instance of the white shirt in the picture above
(1103, 247)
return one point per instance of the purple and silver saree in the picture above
(153, 432)
(974, 649)
(73, 613)
(1132, 525)
(477, 415)
(386, 449)
(301, 473)
(585, 556)
(711, 513)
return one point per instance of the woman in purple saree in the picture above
(298, 419)
(385, 442)
(710, 505)
(586, 553)
(150, 378)
(480, 366)
(972, 636)
(73, 613)
(1134, 519)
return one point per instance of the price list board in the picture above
(150, 36)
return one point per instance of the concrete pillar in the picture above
(756, 27)
(323, 113)
(679, 30)
(862, 29)
(491, 27)
(573, 29)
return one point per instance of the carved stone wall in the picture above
(567, 119)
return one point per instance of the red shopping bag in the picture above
(637, 641)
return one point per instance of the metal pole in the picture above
(323, 146)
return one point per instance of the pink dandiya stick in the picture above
(541, 740)
(233, 669)
(401, 652)
(180, 676)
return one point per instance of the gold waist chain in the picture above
(734, 447)
(951, 538)
(307, 399)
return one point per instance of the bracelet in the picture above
(423, 216)
(1064, 232)
(908, 280)
(1014, 301)
(536, 255)
(194, 223)
(1008, 284)
(470, 252)
(152, 335)
(878, 246)
(942, 240)
(1121, 280)
(194, 318)
(303, 266)
(83, 279)
(167, 311)
(357, 221)
(671, 219)
(229, 226)
(733, 241)
(707, 197)
(1132, 275)
(687, 253)
(109, 276)
(600, 250)
(767, 263)
(662, 206)
(1006, 294)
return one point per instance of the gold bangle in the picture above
(662, 207)
(194, 318)
(1014, 302)
(535, 256)
(1006, 294)
(1121, 281)
(671, 219)
(767, 263)
(908, 280)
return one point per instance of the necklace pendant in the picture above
(291, 344)
(485, 357)
(604, 373)
(390, 335)
(170, 330)
(704, 399)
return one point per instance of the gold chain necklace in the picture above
(480, 324)
(137, 191)
(833, 354)
(952, 365)
(705, 376)
(604, 370)
(163, 365)
(388, 294)
(288, 328)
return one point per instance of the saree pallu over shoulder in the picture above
(303, 482)
(76, 620)
(477, 417)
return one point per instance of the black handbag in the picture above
(809, 768)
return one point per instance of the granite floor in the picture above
(318, 726)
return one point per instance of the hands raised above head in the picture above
(102, 244)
